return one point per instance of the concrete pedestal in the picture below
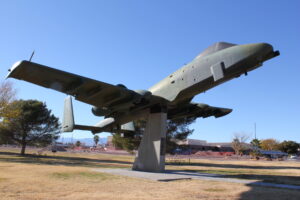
(151, 153)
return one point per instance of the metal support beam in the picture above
(151, 153)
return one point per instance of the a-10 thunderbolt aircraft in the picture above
(119, 105)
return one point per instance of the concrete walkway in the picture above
(183, 175)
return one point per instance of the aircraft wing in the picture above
(195, 110)
(84, 89)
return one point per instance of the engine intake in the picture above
(144, 95)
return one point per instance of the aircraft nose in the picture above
(258, 53)
(261, 51)
(260, 48)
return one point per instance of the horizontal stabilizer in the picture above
(105, 122)
(69, 125)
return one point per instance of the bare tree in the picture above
(7, 95)
(238, 142)
(7, 92)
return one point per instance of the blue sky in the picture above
(137, 43)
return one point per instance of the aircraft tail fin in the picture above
(69, 125)
(68, 117)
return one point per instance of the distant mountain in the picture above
(86, 141)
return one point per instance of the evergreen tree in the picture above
(78, 143)
(34, 125)
(176, 130)
(256, 143)
(289, 147)
(96, 139)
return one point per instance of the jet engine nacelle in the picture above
(100, 111)
(144, 96)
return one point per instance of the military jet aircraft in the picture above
(119, 105)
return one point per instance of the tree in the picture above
(289, 147)
(78, 143)
(256, 143)
(34, 125)
(96, 139)
(176, 130)
(269, 144)
(130, 141)
(238, 142)
(7, 95)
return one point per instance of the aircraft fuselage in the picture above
(208, 71)
(203, 73)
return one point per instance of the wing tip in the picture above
(13, 68)
(223, 112)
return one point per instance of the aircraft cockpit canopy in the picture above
(214, 48)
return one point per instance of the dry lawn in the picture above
(69, 176)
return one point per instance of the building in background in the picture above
(194, 145)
